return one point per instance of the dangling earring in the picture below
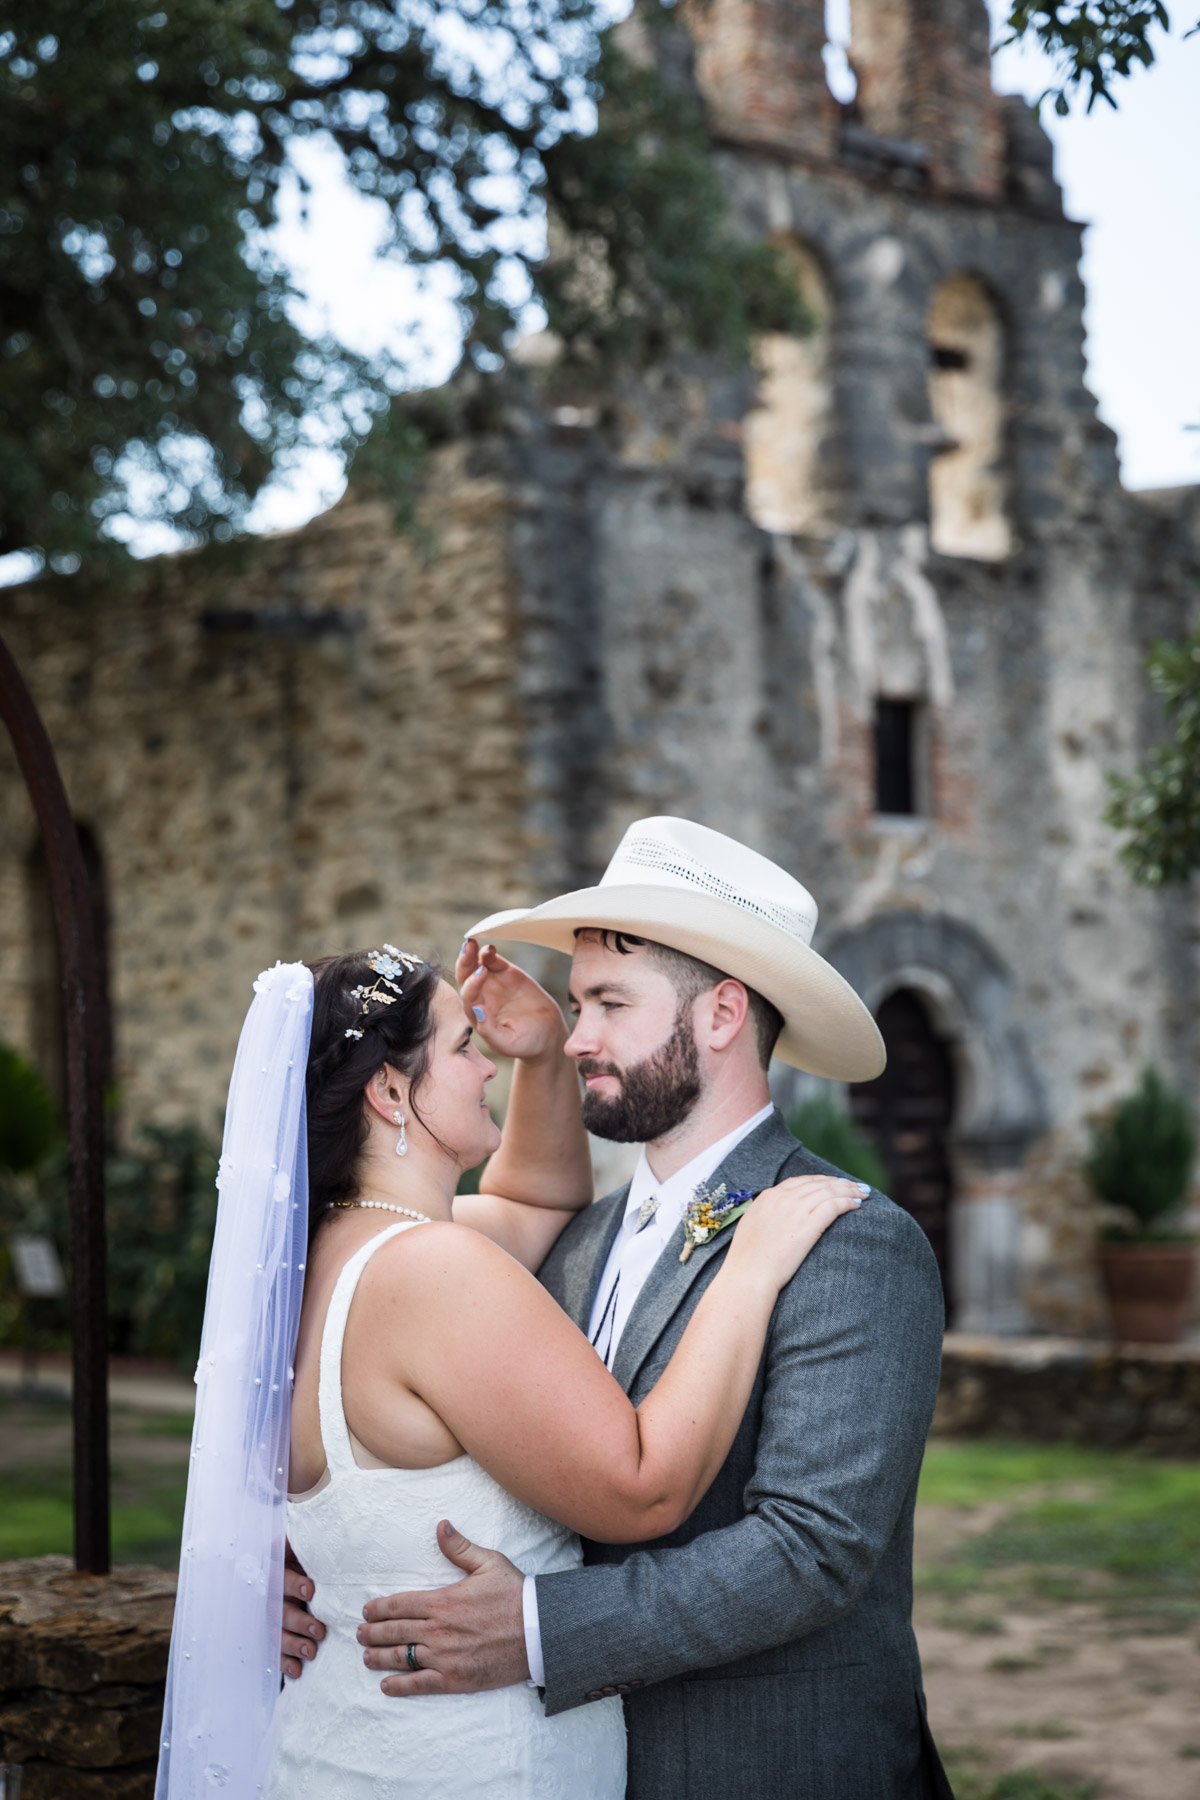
(402, 1141)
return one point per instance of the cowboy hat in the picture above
(695, 890)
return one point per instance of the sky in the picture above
(1133, 178)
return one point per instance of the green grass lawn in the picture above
(149, 1483)
(969, 1782)
(1111, 1527)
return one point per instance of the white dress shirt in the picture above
(633, 1255)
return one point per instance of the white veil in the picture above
(224, 1677)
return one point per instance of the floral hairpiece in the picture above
(390, 965)
(711, 1210)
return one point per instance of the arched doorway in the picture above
(907, 1112)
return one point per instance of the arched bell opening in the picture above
(908, 1113)
(786, 434)
(967, 515)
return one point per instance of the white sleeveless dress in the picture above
(371, 1531)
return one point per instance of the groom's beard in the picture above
(655, 1095)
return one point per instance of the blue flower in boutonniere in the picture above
(710, 1210)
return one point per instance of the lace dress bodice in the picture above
(363, 1532)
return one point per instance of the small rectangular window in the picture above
(897, 782)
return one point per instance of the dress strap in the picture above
(335, 1435)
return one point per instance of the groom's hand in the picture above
(468, 1636)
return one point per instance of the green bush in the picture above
(828, 1132)
(1141, 1158)
(161, 1207)
(29, 1123)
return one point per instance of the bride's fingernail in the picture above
(464, 947)
(854, 1200)
(479, 1013)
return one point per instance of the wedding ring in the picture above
(411, 1654)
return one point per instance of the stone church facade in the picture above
(878, 607)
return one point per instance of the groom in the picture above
(765, 1649)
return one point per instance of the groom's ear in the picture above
(721, 1013)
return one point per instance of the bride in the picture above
(434, 1380)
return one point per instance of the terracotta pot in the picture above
(1149, 1290)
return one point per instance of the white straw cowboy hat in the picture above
(685, 886)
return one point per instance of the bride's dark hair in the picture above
(340, 1066)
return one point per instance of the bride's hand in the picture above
(506, 1007)
(776, 1233)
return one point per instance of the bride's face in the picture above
(452, 1097)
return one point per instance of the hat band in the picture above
(669, 859)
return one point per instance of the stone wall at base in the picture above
(1119, 1396)
(83, 1663)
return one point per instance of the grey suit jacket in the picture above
(765, 1650)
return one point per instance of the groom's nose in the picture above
(582, 1041)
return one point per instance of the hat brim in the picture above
(827, 1030)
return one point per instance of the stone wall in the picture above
(313, 745)
(1144, 1397)
(83, 1663)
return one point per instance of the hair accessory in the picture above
(390, 965)
(402, 1141)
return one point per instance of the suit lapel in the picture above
(584, 1264)
(754, 1163)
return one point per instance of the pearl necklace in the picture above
(380, 1206)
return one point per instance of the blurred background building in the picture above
(877, 606)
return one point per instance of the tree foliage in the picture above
(1095, 42)
(1158, 806)
(152, 359)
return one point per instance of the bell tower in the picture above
(759, 67)
(924, 102)
(924, 77)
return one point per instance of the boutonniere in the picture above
(710, 1210)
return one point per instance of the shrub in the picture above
(161, 1206)
(29, 1123)
(1141, 1158)
(831, 1134)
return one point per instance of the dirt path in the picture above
(1062, 1688)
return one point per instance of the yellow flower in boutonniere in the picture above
(711, 1210)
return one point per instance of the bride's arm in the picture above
(472, 1334)
(542, 1173)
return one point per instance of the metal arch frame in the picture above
(83, 1003)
